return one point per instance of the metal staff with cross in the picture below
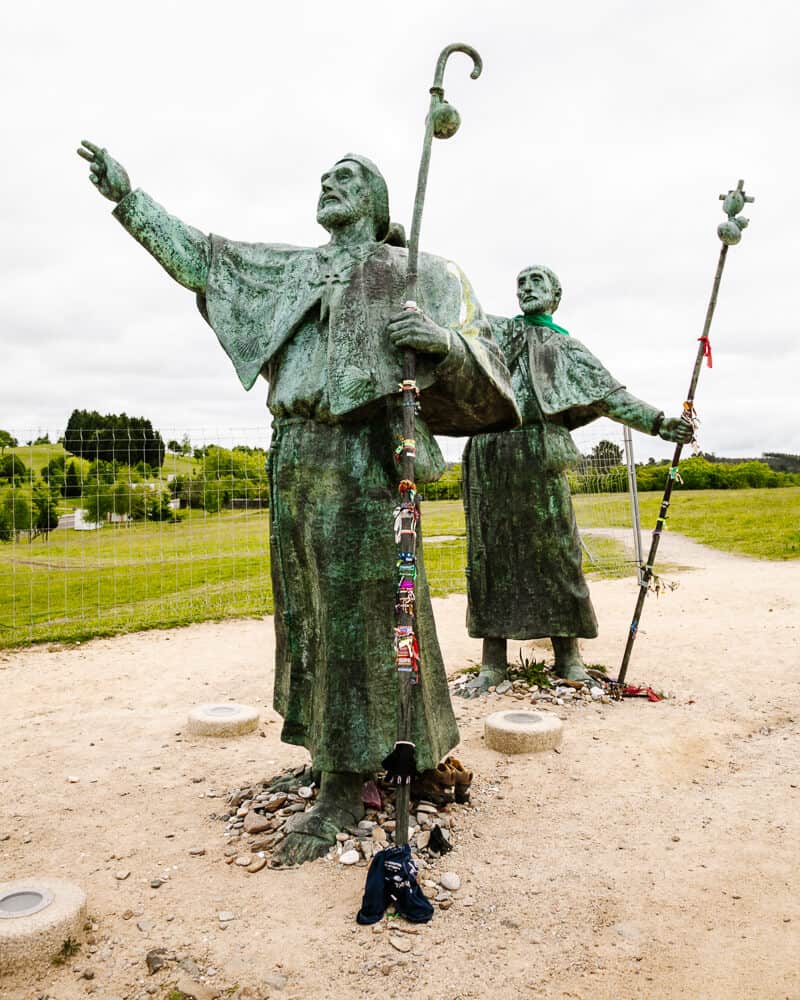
(442, 122)
(730, 233)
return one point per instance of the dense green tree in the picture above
(113, 438)
(223, 478)
(6, 441)
(13, 468)
(72, 480)
(15, 505)
(605, 455)
(54, 474)
(781, 462)
(101, 471)
(700, 474)
(45, 508)
(97, 498)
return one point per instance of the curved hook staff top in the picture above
(442, 121)
(445, 54)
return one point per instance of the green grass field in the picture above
(760, 523)
(36, 456)
(129, 577)
(146, 575)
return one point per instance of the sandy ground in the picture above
(655, 856)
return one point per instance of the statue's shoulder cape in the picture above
(257, 295)
(568, 380)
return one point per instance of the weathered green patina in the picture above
(324, 327)
(525, 578)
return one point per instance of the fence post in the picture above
(633, 495)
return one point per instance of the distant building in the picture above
(81, 524)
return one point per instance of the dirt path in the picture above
(654, 857)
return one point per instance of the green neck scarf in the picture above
(543, 319)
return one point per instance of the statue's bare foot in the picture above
(479, 685)
(287, 782)
(569, 662)
(575, 672)
(312, 833)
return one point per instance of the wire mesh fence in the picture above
(120, 529)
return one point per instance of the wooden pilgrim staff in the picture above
(730, 232)
(442, 122)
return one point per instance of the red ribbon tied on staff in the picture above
(706, 350)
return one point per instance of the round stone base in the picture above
(522, 732)
(37, 917)
(223, 719)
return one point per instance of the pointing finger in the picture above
(91, 147)
(86, 155)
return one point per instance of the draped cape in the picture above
(257, 295)
(567, 379)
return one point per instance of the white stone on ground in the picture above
(450, 881)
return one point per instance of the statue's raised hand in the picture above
(109, 177)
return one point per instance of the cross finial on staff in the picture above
(733, 202)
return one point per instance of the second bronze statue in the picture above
(525, 576)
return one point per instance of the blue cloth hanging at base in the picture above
(392, 879)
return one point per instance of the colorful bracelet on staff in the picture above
(406, 650)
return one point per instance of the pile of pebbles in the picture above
(255, 823)
(561, 692)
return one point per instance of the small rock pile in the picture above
(258, 815)
(554, 690)
(376, 831)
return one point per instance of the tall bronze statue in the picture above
(324, 326)
(525, 578)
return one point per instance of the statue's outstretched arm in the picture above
(183, 251)
(626, 408)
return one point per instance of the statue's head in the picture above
(351, 189)
(538, 290)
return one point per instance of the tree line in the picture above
(127, 485)
(31, 501)
(113, 438)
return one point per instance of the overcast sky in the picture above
(596, 142)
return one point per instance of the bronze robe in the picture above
(312, 321)
(524, 574)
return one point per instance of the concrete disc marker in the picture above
(522, 732)
(225, 719)
(37, 917)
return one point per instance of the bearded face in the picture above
(345, 196)
(535, 292)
